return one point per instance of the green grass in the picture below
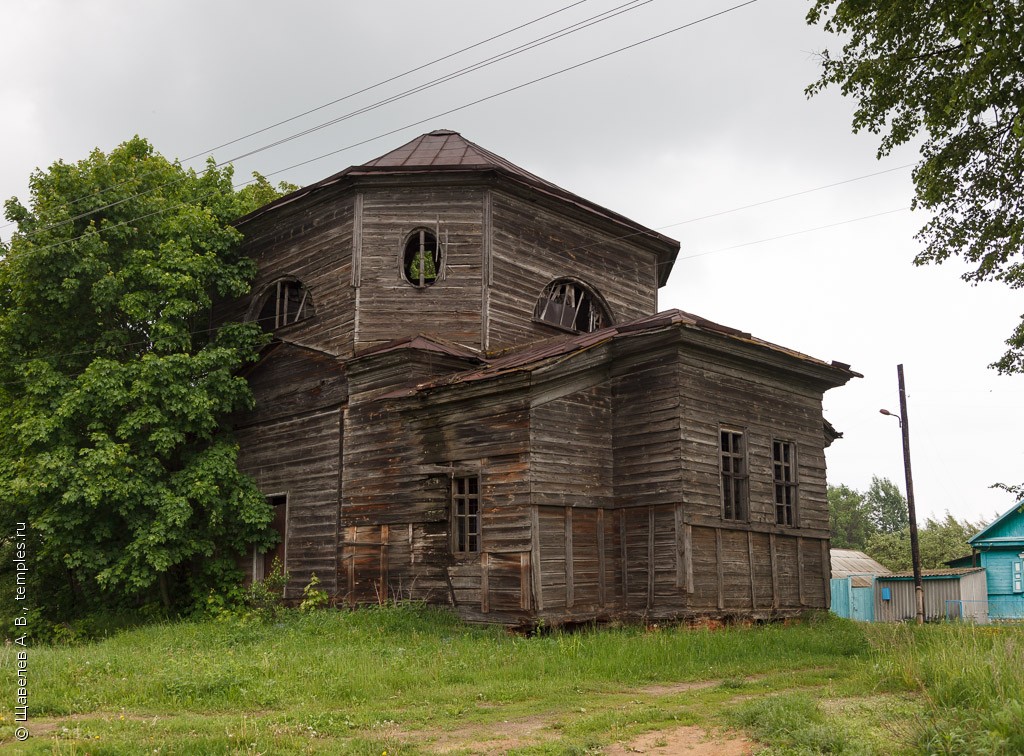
(411, 680)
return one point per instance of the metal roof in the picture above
(444, 151)
(533, 356)
(925, 574)
(846, 562)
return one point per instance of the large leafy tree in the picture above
(114, 384)
(886, 505)
(952, 72)
(849, 518)
(940, 540)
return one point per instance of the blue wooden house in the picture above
(1000, 550)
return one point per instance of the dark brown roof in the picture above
(444, 151)
(424, 344)
(530, 357)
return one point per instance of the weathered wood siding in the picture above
(389, 307)
(400, 455)
(291, 444)
(571, 451)
(313, 243)
(734, 570)
(532, 245)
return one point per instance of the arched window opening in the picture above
(284, 302)
(421, 259)
(572, 305)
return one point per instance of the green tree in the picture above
(940, 541)
(952, 71)
(114, 388)
(849, 518)
(886, 505)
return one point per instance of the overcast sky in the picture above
(704, 120)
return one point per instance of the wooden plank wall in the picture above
(399, 459)
(532, 246)
(290, 443)
(298, 456)
(313, 243)
(391, 308)
(570, 441)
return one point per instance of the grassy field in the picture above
(407, 680)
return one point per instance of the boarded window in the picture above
(466, 514)
(784, 474)
(283, 303)
(734, 475)
(573, 306)
(262, 562)
(421, 258)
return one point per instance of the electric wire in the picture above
(349, 96)
(436, 116)
(512, 52)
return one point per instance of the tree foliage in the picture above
(877, 523)
(952, 71)
(114, 388)
(887, 506)
(940, 541)
(849, 518)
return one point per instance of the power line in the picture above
(512, 52)
(444, 113)
(786, 196)
(565, 31)
(794, 233)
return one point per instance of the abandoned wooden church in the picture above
(470, 399)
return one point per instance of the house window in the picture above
(573, 306)
(421, 258)
(284, 302)
(262, 562)
(734, 475)
(466, 514)
(784, 474)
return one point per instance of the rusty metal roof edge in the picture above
(937, 573)
(549, 354)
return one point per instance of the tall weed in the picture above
(971, 676)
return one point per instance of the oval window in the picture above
(421, 258)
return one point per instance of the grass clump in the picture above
(971, 678)
(793, 723)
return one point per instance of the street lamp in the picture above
(915, 551)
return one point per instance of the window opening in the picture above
(285, 302)
(262, 562)
(734, 475)
(421, 260)
(784, 473)
(466, 514)
(571, 305)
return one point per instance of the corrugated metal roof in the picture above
(951, 572)
(846, 562)
(533, 356)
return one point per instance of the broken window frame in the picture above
(291, 303)
(785, 483)
(419, 243)
(465, 514)
(260, 566)
(572, 305)
(733, 469)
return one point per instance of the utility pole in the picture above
(915, 551)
